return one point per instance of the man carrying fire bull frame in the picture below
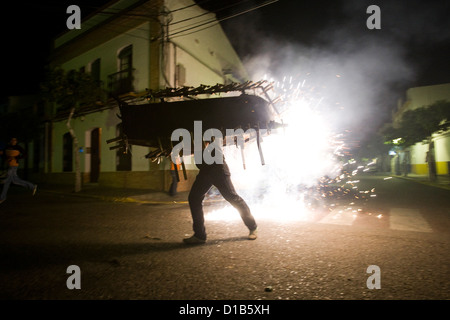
(143, 126)
(215, 174)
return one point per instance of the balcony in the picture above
(121, 82)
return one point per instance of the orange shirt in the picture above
(13, 154)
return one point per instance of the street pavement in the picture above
(128, 245)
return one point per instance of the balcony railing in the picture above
(121, 82)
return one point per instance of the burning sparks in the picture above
(304, 171)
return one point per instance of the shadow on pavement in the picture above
(29, 256)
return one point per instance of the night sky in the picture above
(412, 48)
(421, 28)
(28, 27)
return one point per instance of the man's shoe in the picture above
(253, 234)
(194, 240)
(34, 189)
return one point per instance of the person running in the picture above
(13, 152)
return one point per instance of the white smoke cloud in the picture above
(361, 73)
(353, 76)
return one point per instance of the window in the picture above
(126, 67)
(122, 81)
(126, 59)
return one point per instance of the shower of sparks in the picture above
(305, 172)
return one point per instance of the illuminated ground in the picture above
(134, 251)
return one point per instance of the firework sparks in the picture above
(303, 166)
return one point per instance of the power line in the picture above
(208, 12)
(178, 32)
(216, 21)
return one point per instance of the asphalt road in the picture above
(135, 251)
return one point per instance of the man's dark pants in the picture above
(203, 182)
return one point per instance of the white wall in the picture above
(208, 44)
(203, 54)
(108, 53)
(427, 95)
(418, 153)
(442, 146)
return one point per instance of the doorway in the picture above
(95, 155)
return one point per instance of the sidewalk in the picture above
(95, 191)
(442, 181)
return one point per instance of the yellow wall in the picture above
(441, 168)
(419, 168)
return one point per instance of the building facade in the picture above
(414, 158)
(130, 46)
